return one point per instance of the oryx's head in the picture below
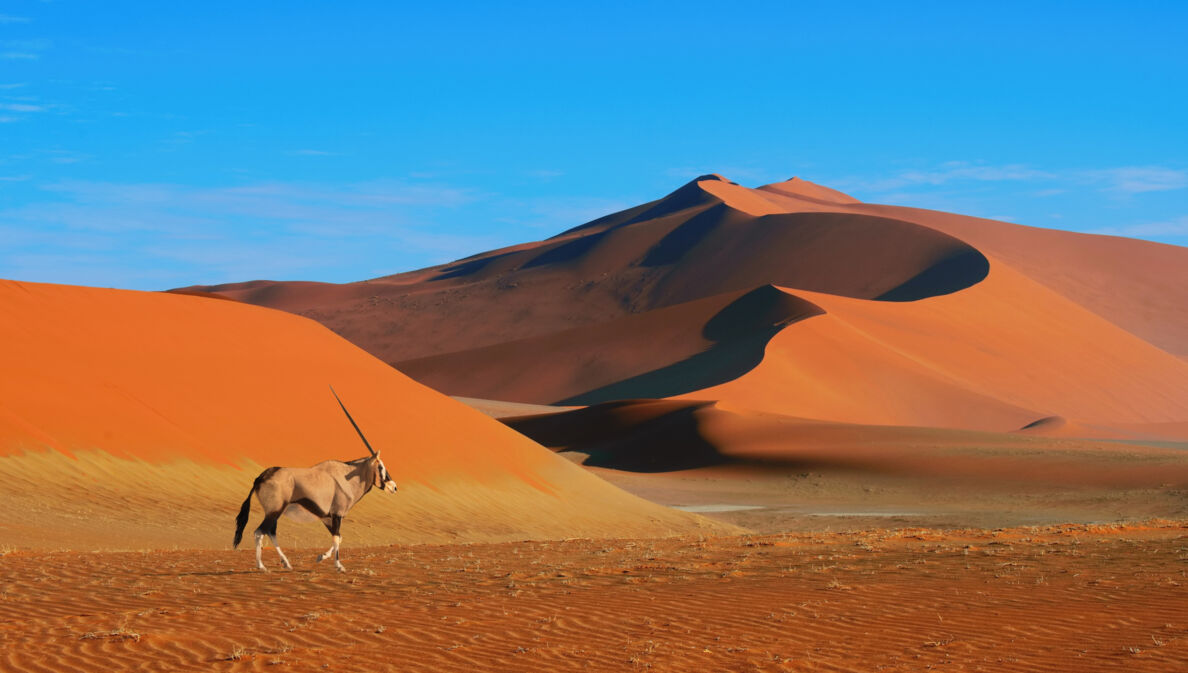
(383, 480)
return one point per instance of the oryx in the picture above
(326, 491)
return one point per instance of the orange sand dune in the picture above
(132, 419)
(707, 238)
(922, 318)
(1140, 286)
(996, 356)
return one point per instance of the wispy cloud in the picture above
(958, 171)
(946, 173)
(1139, 179)
(313, 153)
(21, 107)
(39, 44)
(555, 214)
(23, 50)
(194, 234)
(1175, 227)
(8, 18)
(65, 157)
(357, 202)
(1121, 180)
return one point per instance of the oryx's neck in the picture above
(360, 478)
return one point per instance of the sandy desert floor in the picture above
(772, 500)
(1058, 598)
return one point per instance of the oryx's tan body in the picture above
(326, 491)
(328, 488)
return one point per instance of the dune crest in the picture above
(803, 189)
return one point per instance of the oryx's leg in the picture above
(259, 550)
(333, 524)
(329, 552)
(268, 527)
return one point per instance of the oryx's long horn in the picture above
(348, 415)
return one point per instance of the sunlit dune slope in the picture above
(1138, 285)
(996, 356)
(131, 419)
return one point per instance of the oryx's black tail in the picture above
(246, 509)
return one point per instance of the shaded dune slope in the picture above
(683, 352)
(131, 419)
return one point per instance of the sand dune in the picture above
(1140, 286)
(921, 318)
(688, 347)
(131, 419)
(994, 357)
(707, 238)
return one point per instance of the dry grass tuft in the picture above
(114, 634)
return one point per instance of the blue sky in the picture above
(154, 145)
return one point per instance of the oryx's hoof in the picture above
(262, 569)
(339, 567)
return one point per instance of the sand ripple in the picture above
(1055, 599)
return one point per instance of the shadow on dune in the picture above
(646, 436)
(469, 266)
(739, 334)
(861, 256)
(957, 272)
(632, 435)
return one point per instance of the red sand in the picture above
(1069, 598)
